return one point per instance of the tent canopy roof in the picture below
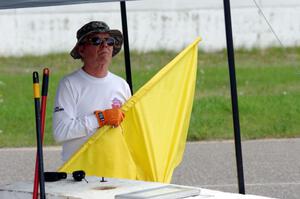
(9, 4)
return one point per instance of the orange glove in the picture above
(112, 117)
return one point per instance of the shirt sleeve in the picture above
(127, 91)
(66, 124)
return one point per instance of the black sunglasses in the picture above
(96, 41)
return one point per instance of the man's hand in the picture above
(112, 117)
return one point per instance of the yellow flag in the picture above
(150, 142)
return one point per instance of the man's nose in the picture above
(103, 45)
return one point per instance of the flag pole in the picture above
(36, 93)
(43, 118)
(234, 97)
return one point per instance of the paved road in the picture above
(271, 167)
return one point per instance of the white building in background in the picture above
(152, 25)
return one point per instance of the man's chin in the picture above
(104, 59)
(105, 53)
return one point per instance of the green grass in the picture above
(268, 90)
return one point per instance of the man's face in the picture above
(96, 48)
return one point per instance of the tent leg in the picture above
(234, 97)
(126, 44)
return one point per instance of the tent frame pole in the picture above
(234, 97)
(126, 44)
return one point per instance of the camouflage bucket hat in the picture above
(96, 27)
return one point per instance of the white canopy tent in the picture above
(9, 4)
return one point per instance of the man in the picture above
(90, 97)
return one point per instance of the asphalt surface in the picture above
(271, 167)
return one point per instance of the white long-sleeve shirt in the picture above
(78, 96)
